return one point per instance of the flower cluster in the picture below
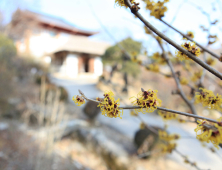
(181, 120)
(209, 99)
(184, 81)
(163, 135)
(210, 133)
(210, 61)
(158, 58)
(136, 60)
(156, 9)
(153, 68)
(109, 106)
(168, 141)
(190, 34)
(168, 147)
(122, 3)
(147, 100)
(167, 115)
(170, 116)
(191, 47)
(134, 57)
(79, 100)
(196, 76)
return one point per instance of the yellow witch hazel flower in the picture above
(181, 120)
(213, 134)
(210, 61)
(190, 34)
(157, 9)
(163, 135)
(147, 100)
(196, 76)
(122, 3)
(168, 147)
(109, 106)
(191, 47)
(153, 68)
(183, 81)
(158, 58)
(142, 125)
(79, 100)
(149, 4)
(207, 98)
(135, 58)
(167, 115)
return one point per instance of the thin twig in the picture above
(106, 30)
(173, 111)
(183, 156)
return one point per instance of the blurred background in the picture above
(51, 48)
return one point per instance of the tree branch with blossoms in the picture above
(189, 38)
(99, 101)
(134, 10)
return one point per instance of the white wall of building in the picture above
(71, 64)
(46, 42)
(98, 66)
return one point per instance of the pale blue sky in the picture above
(120, 22)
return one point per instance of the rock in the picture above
(33, 120)
(91, 110)
(145, 140)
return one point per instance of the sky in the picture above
(104, 16)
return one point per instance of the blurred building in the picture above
(67, 50)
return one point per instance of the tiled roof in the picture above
(54, 22)
(82, 44)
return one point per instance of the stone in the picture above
(91, 110)
(145, 140)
